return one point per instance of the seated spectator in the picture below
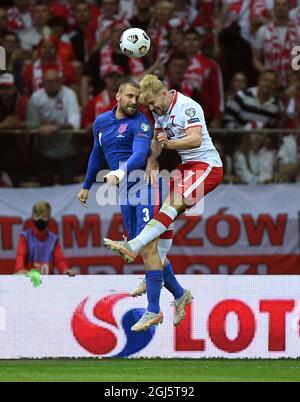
(102, 59)
(12, 116)
(40, 29)
(143, 17)
(204, 74)
(39, 248)
(254, 163)
(289, 158)
(15, 57)
(52, 109)
(106, 100)
(239, 83)
(229, 176)
(19, 17)
(256, 104)
(292, 101)
(274, 41)
(47, 60)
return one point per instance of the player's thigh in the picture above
(129, 220)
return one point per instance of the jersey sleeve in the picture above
(97, 159)
(143, 134)
(192, 115)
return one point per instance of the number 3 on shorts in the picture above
(147, 214)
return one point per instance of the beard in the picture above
(129, 110)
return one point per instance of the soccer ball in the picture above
(135, 43)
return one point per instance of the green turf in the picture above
(116, 370)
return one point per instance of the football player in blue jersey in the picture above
(123, 137)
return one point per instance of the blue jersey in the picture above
(123, 143)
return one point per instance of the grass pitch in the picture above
(119, 370)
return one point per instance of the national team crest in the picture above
(122, 128)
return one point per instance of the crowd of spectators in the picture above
(64, 65)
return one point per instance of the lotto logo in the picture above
(296, 58)
(2, 58)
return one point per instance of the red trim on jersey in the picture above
(173, 102)
(198, 125)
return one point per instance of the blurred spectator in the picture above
(229, 176)
(127, 8)
(142, 19)
(102, 59)
(260, 14)
(66, 10)
(109, 17)
(295, 14)
(159, 28)
(292, 101)
(187, 13)
(38, 247)
(238, 83)
(175, 75)
(52, 109)
(289, 158)
(204, 74)
(254, 163)
(12, 116)
(40, 29)
(106, 100)
(82, 38)
(15, 57)
(48, 59)
(176, 38)
(3, 23)
(58, 34)
(274, 42)
(256, 104)
(232, 32)
(19, 17)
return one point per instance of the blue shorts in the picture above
(138, 213)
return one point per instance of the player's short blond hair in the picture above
(41, 208)
(150, 84)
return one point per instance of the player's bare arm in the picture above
(152, 169)
(192, 140)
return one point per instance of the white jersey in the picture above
(185, 113)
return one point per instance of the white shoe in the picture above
(147, 320)
(142, 289)
(181, 305)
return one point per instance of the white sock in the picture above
(155, 228)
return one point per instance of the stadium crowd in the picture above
(64, 66)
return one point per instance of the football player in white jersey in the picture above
(179, 125)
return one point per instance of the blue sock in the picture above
(154, 280)
(171, 282)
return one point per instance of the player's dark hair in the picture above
(126, 82)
